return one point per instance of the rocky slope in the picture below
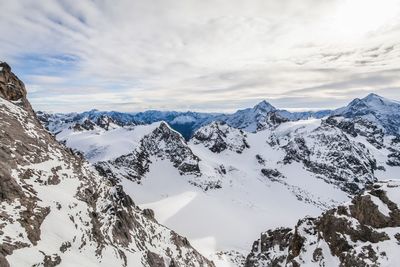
(364, 232)
(44, 186)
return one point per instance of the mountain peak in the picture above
(372, 96)
(371, 102)
(264, 105)
(375, 108)
(4, 67)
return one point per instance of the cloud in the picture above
(205, 55)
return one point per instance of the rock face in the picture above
(271, 121)
(218, 136)
(56, 209)
(365, 232)
(328, 152)
(374, 134)
(359, 127)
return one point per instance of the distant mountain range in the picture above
(372, 107)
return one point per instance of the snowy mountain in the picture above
(379, 110)
(249, 119)
(363, 232)
(304, 167)
(57, 210)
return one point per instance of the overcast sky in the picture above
(201, 55)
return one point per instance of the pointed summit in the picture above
(374, 99)
(372, 96)
(374, 102)
(264, 106)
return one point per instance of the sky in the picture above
(203, 55)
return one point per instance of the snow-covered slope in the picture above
(363, 232)
(56, 210)
(99, 144)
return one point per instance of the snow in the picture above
(100, 145)
(394, 195)
(251, 208)
(382, 207)
(298, 127)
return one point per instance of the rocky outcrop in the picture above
(272, 120)
(362, 233)
(12, 88)
(103, 121)
(218, 136)
(394, 155)
(359, 126)
(44, 186)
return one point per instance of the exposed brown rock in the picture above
(12, 88)
(343, 229)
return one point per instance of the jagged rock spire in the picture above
(12, 88)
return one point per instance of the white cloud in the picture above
(201, 54)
